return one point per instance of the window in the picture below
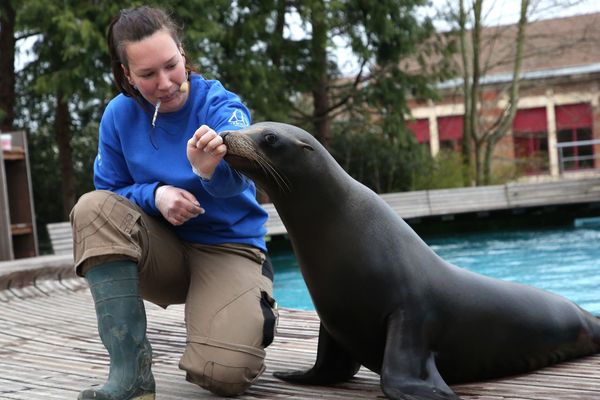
(574, 124)
(530, 140)
(450, 132)
(420, 128)
(531, 151)
(574, 156)
(530, 144)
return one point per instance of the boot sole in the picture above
(148, 396)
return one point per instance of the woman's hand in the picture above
(205, 150)
(176, 205)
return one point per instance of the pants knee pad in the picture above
(222, 371)
(89, 203)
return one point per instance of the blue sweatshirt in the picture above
(134, 158)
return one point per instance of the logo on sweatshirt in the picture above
(238, 119)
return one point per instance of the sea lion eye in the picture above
(270, 138)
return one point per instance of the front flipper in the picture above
(409, 371)
(333, 364)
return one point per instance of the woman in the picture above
(170, 221)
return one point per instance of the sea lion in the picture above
(384, 298)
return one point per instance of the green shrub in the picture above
(384, 163)
(443, 171)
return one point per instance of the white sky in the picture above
(501, 12)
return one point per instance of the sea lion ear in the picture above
(305, 145)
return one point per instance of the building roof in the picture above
(554, 48)
(552, 44)
(534, 74)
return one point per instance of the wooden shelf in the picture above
(21, 229)
(18, 236)
(16, 153)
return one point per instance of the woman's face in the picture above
(157, 69)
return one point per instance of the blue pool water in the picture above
(564, 261)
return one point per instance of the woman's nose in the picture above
(163, 80)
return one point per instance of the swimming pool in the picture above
(565, 261)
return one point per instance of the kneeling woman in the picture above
(170, 221)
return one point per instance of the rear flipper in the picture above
(333, 365)
(409, 371)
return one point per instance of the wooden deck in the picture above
(49, 349)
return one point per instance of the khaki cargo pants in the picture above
(227, 289)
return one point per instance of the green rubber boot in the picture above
(122, 328)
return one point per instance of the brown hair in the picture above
(133, 25)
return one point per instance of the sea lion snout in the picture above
(238, 144)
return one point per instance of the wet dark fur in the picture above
(385, 299)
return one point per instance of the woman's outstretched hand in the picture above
(205, 150)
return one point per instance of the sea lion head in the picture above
(272, 154)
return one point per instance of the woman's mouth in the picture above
(168, 98)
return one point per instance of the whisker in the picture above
(281, 181)
(264, 165)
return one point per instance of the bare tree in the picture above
(510, 50)
(481, 135)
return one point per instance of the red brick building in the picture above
(558, 116)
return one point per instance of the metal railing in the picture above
(562, 159)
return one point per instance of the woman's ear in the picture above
(127, 74)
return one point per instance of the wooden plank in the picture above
(274, 224)
(15, 154)
(409, 204)
(61, 237)
(554, 193)
(21, 229)
(463, 200)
